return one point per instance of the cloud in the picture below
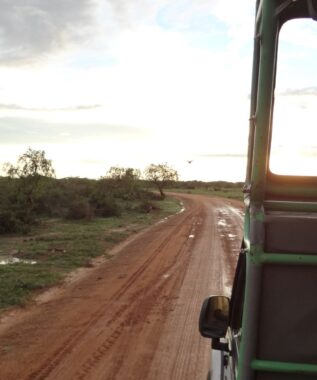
(31, 131)
(207, 25)
(180, 13)
(16, 107)
(128, 13)
(300, 91)
(30, 29)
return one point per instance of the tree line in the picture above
(30, 191)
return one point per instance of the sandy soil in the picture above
(136, 315)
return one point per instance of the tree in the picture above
(160, 175)
(31, 170)
(124, 182)
(117, 172)
(32, 163)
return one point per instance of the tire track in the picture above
(68, 345)
(182, 353)
(156, 288)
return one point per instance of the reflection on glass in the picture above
(294, 137)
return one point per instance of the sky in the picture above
(294, 140)
(101, 83)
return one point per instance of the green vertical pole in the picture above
(261, 104)
(254, 86)
(268, 33)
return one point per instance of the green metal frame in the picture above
(265, 191)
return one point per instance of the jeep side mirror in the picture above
(214, 317)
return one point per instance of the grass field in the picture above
(224, 192)
(56, 247)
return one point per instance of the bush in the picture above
(105, 206)
(12, 222)
(80, 209)
(146, 207)
(8, 222)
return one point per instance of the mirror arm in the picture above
(217, 345)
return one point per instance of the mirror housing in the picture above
(214, 317)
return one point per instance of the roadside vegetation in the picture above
(57, 246)
(49, 226)
(232, 190)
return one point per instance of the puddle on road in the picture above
(163, 220)
(182, 209)
(229, 235)
(15, 260)
(227, 289)
(222, 223)
(223, 211)
(228, 226)
(229, 210)
(237, 211)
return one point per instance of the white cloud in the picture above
(185, 99)
(30, 29)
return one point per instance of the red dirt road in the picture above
(135, 316)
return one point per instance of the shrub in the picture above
(80, 209)
(147, 207)
(106, 206)
(13, 222)
(8, 222)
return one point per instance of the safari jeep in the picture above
(268, 329)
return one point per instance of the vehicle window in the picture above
(294, 135)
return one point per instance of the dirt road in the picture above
(135, 316)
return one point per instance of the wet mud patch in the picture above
(230, 237)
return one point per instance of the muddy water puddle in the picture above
(15, 260)
(231, 241)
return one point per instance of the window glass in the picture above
(294, 135)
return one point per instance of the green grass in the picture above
(223, 192)
(60, 246)
(17, 281)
